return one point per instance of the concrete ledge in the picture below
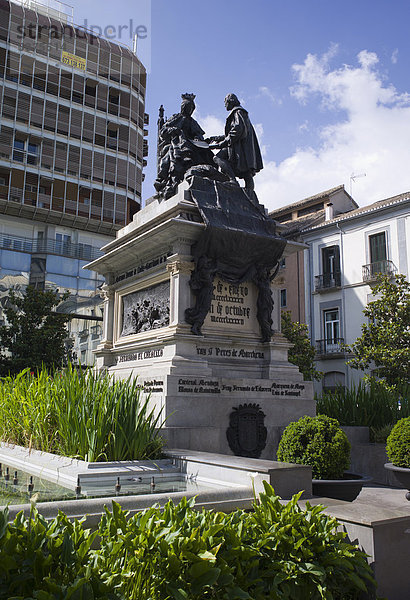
(224, 499)
(383, 532)
(286, 478)
(64, 470)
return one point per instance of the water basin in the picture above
(17, 486)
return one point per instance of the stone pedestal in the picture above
(194, 380)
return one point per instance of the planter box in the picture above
(402, 474)
(369, 458)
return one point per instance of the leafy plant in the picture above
(385, 339)
(48, 560)
(179, 553)
(277, 551)
(398, 444)
(34, 334)
(366, 405)
(318, 442)
(379, 436)
(79, 413)
(302, 353)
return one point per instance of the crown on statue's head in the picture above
(190, 97)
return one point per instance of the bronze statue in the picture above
(181, 145)
(240, 155)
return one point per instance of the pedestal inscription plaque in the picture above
(233, 306)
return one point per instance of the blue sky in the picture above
(326, 84)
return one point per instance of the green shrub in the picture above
(79, 413)
(398, 444)
(318, 442)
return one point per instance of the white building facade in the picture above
(344, 256)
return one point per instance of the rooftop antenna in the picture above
(353, 177)
(134, 43)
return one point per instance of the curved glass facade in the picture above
(72, 151)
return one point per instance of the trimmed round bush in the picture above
(398, 444)
(318, 442)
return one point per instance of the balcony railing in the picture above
(330, 346)
(328, 281)
(61, 205)
(48, 246)
(384, 267)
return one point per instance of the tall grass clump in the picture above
(79, 413)
(371, 405)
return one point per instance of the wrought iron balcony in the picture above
(48, 246)
(328, 281)
(330, 346)
(384, 267)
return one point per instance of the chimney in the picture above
(329, 211)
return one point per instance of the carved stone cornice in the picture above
(107, 293)
(182, 267)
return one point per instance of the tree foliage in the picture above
(34, 335)
(385, 338)
(302, 354)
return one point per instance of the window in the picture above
(331, 329)
(331, 266)
(332, 380)
(310, 209)
(378, 255)
(18, 153)
(32, 153)
(41, 245)
(84, 251)
(63, 243)
(283, 298)
(112, 138)
(22, 148)
(378, 251)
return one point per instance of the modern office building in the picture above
(72, 151)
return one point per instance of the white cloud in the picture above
(260, 132)
(211, 125)
(395, 56)
(265, 91)
(372, 135)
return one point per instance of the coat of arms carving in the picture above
(247, 433)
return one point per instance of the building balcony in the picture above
(384, 267)
(330, 348)
(49, 246)
(328, 281)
